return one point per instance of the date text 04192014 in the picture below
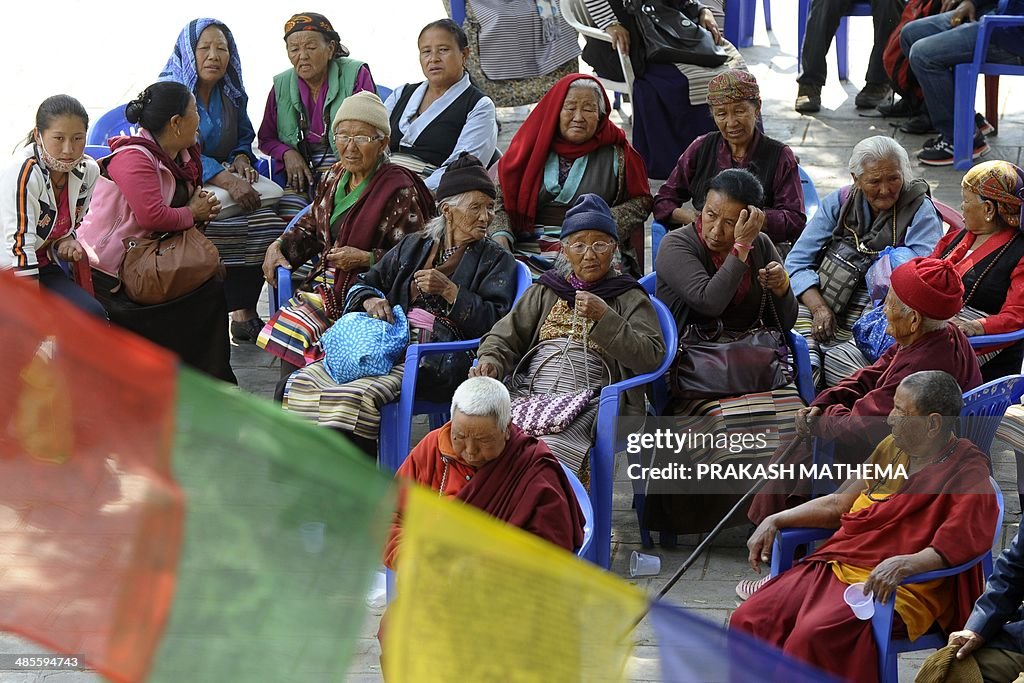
(34, 662)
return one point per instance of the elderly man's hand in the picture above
(805, 420)
(590, 305)
(759, 545)
(969, 641)
(484, 369)
(885, 577)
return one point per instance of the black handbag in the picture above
(713, 363)
(842, 272)
(670, 37)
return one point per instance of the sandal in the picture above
(747, 587)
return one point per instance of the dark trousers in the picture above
(823, 22)
(54, 279)
(242, 287)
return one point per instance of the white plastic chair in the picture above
(575, 14)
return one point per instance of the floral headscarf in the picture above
(731, 86)
(1000, 182)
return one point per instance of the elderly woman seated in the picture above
(735, 103)
(484, 460)
(434, 121)
(580, 315)
(987, 254)
(452, 281)
(924, 295)
(568, 147)
(724, 270)
(363, 208)
(885, 206)
(943, 513)
(205, 59)
(303, 101)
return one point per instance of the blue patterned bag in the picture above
(360, 346)
(870, 335)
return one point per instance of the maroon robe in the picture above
(949, 506)
(851, 410)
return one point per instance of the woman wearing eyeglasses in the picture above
(568, 147)
(724, 269)
(363, 207)
(581, 326)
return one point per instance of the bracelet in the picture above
(741, 244)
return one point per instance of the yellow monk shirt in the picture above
(920, 604)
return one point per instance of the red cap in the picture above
(930, 286)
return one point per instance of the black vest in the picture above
(438, 139)
(764, 164)
(986, 284)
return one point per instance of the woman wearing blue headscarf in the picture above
(205, 60)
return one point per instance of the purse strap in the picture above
(563, 354)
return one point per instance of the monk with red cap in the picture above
(925, 293)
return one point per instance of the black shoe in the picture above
(982, 124)
(897, 110)
(919, 125)
(872, 95)
(941, 153)
(247, 330)
(808, 98)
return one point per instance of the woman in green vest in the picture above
(296, 123)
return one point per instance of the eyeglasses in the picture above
(361, 140)
(600, 248)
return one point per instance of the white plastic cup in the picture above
(863, 606)
(644, 565)
(313, 537)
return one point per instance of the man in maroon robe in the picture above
(925, 293)
(943, 514)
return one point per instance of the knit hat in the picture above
(363, 106)
(590, 212)
(943, 666)
(930, 286)
(465, 174)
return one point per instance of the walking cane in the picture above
(699, 550)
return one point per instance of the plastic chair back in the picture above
(384, 92)
(949, 215)
(575, 14)
(283, 292)
(984, 408)
(811, 201)
(111, 124)
(658, 231)
(97, 151)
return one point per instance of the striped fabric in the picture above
(571, 446)
(513, 43)
(353, 406)
(843, 360)
(243, 240)
(294, 329)
(771, 412)
(859, 303)
(1011, 428)
(700, 76)
(293, 202)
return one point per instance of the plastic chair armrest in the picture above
(284, 285)
(986, 25)
(941, 573)
(983, 340)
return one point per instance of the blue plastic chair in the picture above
(811, 201)
(384, 92)
(985, 406)
(857, 9)
(889, 650)
(111, 124)
(739, 21)
(395, 439)
(967, 84)
(283, 292)
(97, 151)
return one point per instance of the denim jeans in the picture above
(822, 23)
(934, 49)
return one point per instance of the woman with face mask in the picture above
(44, 193)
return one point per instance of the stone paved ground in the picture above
(822, 142)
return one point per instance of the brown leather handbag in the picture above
(166, 266)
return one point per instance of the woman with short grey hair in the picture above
(885, 206)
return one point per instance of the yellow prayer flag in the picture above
(482, 601)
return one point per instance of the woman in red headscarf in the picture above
(568, 147)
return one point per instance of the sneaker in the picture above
(897, 109)
(983, 125)
(747, 587)
(808, 98)
(247, 331)
(941, 153)
(872, 95)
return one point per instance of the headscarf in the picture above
(521, 169)
(182, 67)
(1000, 182)
(731, 86)
(311, 21)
